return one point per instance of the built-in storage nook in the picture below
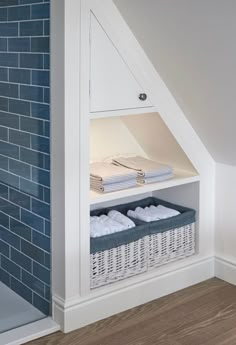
(147, 245)
(109, 104)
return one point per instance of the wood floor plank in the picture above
(204, 314)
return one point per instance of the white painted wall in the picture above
(226, 212)
(192, 46)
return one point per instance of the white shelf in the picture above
(180, 178)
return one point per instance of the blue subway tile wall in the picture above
(25, 149)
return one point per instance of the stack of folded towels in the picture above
(107, 177)
(148, 171)
(152, 213)
(113, 222)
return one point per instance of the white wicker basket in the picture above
(115, 264)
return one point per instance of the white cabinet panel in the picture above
(112, 84)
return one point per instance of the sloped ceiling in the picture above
(192, 44)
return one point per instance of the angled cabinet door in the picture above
(112, 84)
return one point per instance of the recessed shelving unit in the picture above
(141, 134)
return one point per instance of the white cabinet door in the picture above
(112, 84)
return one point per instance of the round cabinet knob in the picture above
(142, 96)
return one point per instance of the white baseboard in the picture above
(32, 331)
(87, 312)
(225, 269)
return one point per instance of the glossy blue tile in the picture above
(40, 144)
(47, 293)
(46, 27)
(32, 157)
(40, 78)
(3, 14)
(41, 272)
(41, 304)
(40, 11)
(8, 3)
(40, 44)
(47, 129)
(8, 60)
(4, 161)
(5, 277)
(10, 267)
(9, 90)
(47, 260)
(47, 195)
(40, 110)
(18, 45)
(20, 229)
(4, 249)
(21, 260)
(10, 238)
(31, 28)
(41, 176)
(46, 95)
(31, 61)
(19, 198)
(31, 125)
(9, 120)
(20, 76)
(19, 168)
(19, 107)
(19, 138)
(32, 220)
(41, 241)
(31, 188)
(21, 290)
(18, 13)
(47, 228)
(4, 191)
(4, 220)
(8, 29)
(33, 283)
(31, 93)
(25, 148)
(9, 179)
(4, 102)
(9, 208)
(40, 208)
(32, 251)
(3, 74)
(21, 2)
(46, 61)
(3, 44)
(9, 150)
(4, 133)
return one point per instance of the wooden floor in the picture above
(204, 314)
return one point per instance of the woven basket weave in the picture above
(127, 260)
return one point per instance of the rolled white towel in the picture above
(166, 212)
(103, 225)
(152, 213)
(120, 218)
(139, 215)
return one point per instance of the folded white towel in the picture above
(107, 173)
(120, 218)
(112, 187)
(152, 213)
(144, 167)
(146, 180)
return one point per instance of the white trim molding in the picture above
(85, 311)
(225, 269)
